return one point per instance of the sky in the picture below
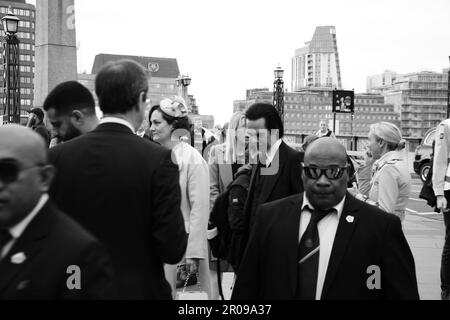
(230, 46)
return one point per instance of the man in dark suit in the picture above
(43, 253)
(325, 244)
(122, 188)
(277, 173)
(70, 108)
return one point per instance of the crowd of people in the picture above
(107, 213)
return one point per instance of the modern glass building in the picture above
(317, 64)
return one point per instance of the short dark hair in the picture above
(177, 123)
(69, 96)
(118, 86)
(267, 112)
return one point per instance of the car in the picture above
(422, 162)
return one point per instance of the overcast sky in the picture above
(230, 46)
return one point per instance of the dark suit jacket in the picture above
(125, 191)
(52, 243)
(286, 181)
(41, 129)
(374, 238)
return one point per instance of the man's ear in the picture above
(77, 117)
(47, 174)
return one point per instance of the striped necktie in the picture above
(5, 237)
(308, 257)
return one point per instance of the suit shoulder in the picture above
(279, 207)
(70, 233)
(374, 215)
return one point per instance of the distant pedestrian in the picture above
(36, 123)
(324, 130)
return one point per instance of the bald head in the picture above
(325, 174)
(22, 143)
(326, 149)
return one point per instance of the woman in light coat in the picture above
(391, 181)
(170, 127)
(224, 162)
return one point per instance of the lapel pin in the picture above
(18, 258)
(350, 219)
(23, 285)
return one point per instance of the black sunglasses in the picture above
(10, 170)
(331, 173)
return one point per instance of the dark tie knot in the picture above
(317, 215)
(5, 237)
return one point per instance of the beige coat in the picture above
(221, 174)
(391, 184)
(194, 183)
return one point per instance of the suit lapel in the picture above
(26, 248)
(292, 234)
(347, 225)
(270, 180)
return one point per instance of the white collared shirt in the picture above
(20, 228)
(272, 152)
(124, 122)
(327, 232)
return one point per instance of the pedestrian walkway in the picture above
(425, 235)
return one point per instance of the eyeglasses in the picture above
(331, 173)
(10, 169)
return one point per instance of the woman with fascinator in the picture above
(170, 127)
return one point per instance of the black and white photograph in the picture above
(217, 153)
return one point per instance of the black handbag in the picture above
(427, 192)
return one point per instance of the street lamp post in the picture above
(448, 94)
(183, 82)
(278, 92)
(11, 72)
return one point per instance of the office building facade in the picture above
(421, 99)
(304, 111)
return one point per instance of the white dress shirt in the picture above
(20, 228)
(118, 121)
(327, 232)
(270, 155)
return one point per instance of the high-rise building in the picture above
(26, 34)
(421, 99)
(317, 64)
(380, 83)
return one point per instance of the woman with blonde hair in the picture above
(391, 182)
(225, 161)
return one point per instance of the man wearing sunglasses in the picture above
(38, 243)
(324, 244)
